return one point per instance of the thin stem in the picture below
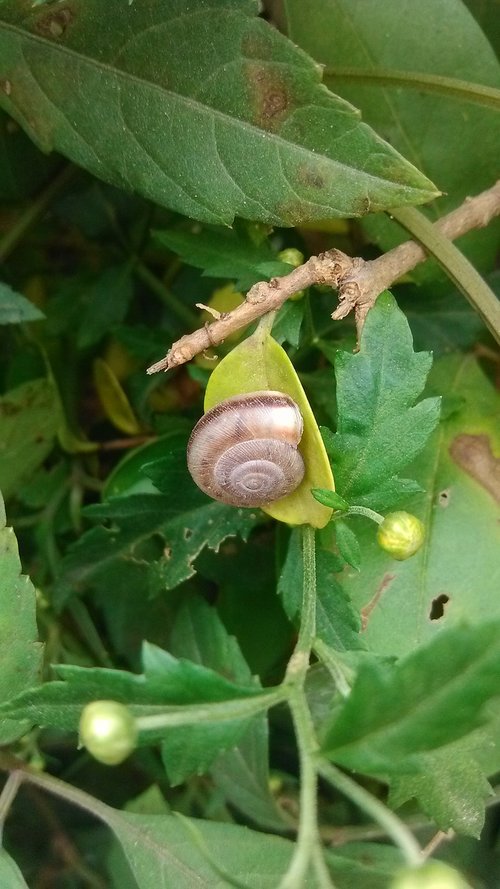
(455, 264)
(299, 661)
(450, 87)
(178, 309)
(34, 211)
(239, 708)
(364, 511)
(393, 826)
(8, 796)
(308, 845)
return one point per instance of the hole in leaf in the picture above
(444, 498)
(187, 533)
(437, 607)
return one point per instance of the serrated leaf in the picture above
(21, 651)
(456, 574)
(449, 786)
(182, 519)
(259, 363)
(438, 133)
(337, 624)
(242, 772)
(428, 699)
(166, 682)
(237, 120)
(380, 429)
(288, 323)
(29, 419)
(221, 253)
(105, 300)
(15, 308)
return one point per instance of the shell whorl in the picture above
(244, 451)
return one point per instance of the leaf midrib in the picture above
(190, 102)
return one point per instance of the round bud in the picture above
(433, 875)
(108, 731)
(401, 534)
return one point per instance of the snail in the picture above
(244, 450)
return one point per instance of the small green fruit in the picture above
(108, 731)
(401, 534)
(434, 875)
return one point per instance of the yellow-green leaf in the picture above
(113, 399)
(260, 363)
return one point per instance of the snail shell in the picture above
(244, 451)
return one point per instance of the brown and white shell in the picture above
(244, 450)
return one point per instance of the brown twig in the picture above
(357, 281)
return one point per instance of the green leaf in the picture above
(165, 850)
(431, 130)
(348, 544)
(337, 623)
(10, 875)
(166, 682)
(259, 363)
(242, 772)
(288, 323)
(221, 253)
(456, 574)
(449, 784)
(21, 652)
(380, 429)
(330, 498)
(428, 699)
(15, 308)
(29, 419)
(105, 302)
(238, 122)
(166, 531)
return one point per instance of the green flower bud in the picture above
(108, 731)
(401, 534)
(434, 875)
(292, 256)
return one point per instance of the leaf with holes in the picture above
(456, 574)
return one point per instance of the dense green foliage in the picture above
(303, 709)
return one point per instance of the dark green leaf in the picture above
(29, 419)
(237, 120)
(23, 168)
(21, 652)
(430, 698)
(241, 772)
(330, 498)
(174, 527)
(221, 253)
(337, 623)
(166, 682)
(15, 308)
(105, 303)
(433, 131)
(288, 323)
(380, 429)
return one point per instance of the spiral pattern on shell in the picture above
(244, 450)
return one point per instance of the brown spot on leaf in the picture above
(437, 606)
(268, 95)
(368, 608)
(474, 455)
(54, 24)
(311, 177)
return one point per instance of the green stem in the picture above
(455, 264)
(364, 511)
(393, 826)
(8, 796)
(450, 87)
(189, 714)
(182, 312)
(342, 675)
(308, 846)
(34, 211)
